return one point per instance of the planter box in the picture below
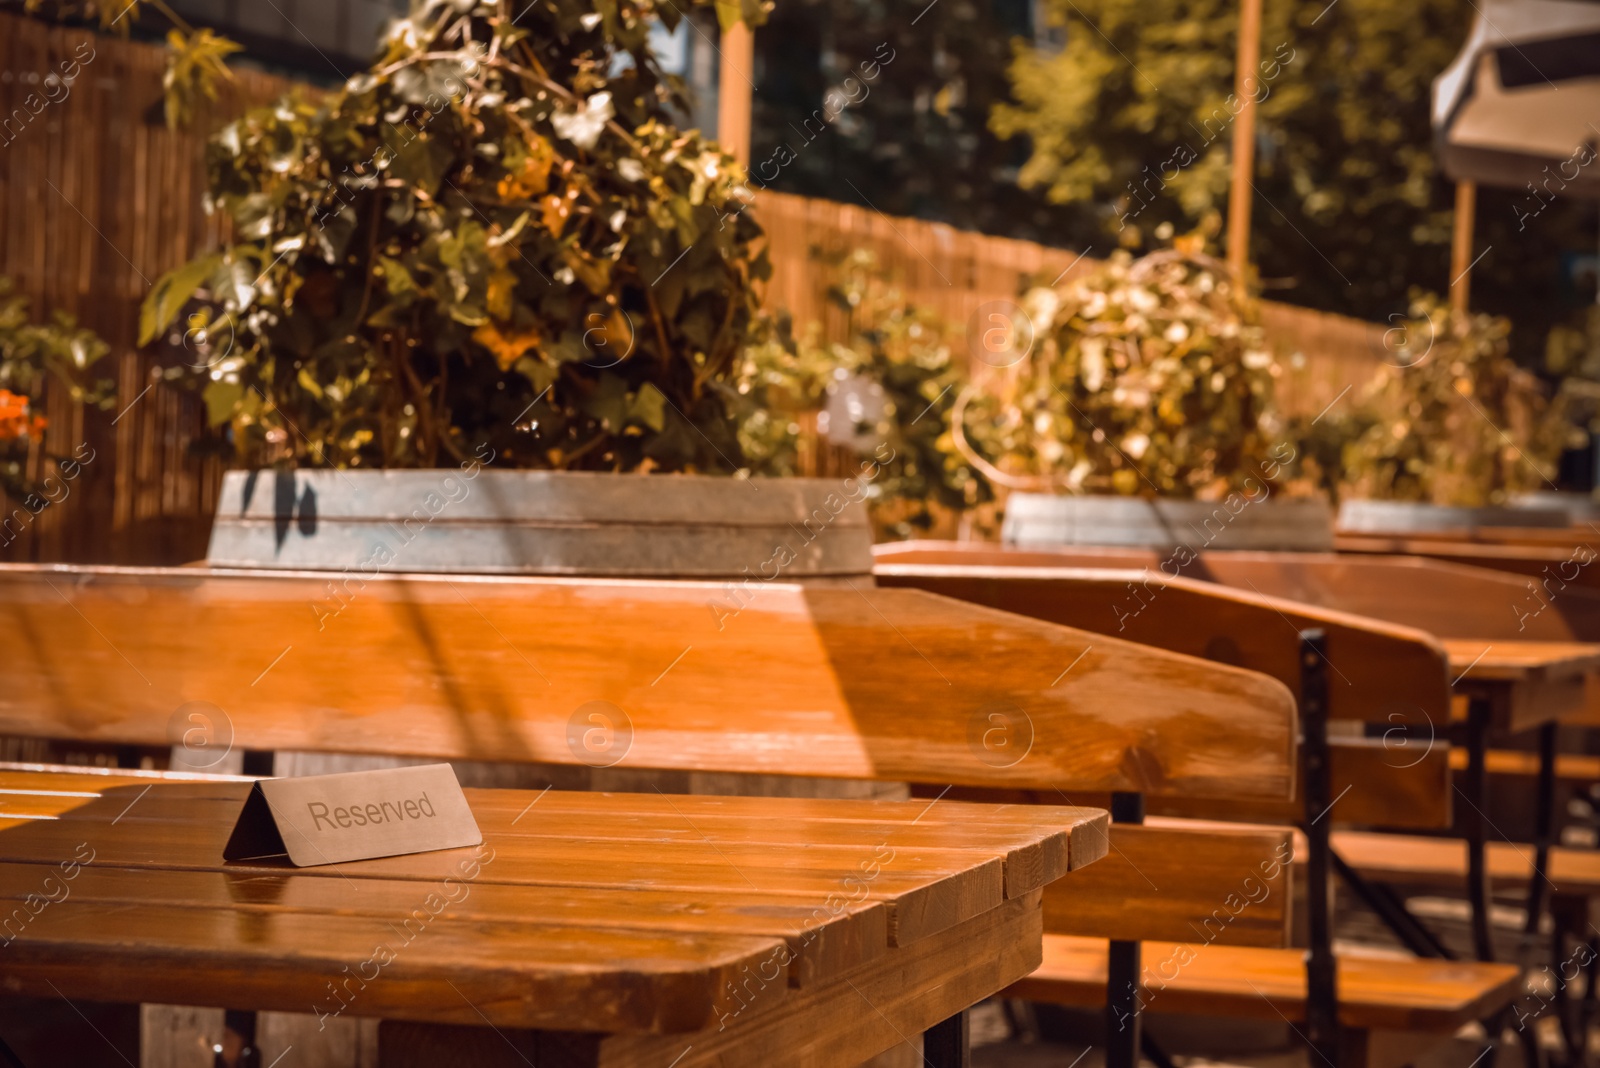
(1413, 517)
(1580, 507)
(1041, 520)
(541, 523)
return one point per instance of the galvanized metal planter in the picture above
(543, 523)
(1415, 517)
(1235, 522)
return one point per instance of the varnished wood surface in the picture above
(882, 1005)
(604, 912)
(1399, 781)
(1177, 879)
(1519, 553)
(855, 683)
(1197, 979)
(1514, 661)
(1443, 599)
(1442, 862)
(1376, 668)
(1448, 600)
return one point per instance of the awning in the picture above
(1521, 103)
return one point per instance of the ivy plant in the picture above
(885, 392)
(494, 236)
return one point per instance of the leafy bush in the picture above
(885, 391)
(1147, 377)
(1453, 420)
(494, 236)
(35, 357)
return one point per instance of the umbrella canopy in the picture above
(1521, 103)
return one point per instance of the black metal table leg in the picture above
(1544, 828)
(1322, 998)
(1477, 825)
(1122, 973)
(946, 1045)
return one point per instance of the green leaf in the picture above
(649, 407)
(609, 402)
(172, 291)
(222, 399)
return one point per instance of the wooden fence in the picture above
(98, 198)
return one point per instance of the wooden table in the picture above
(589, 929)
(1515, 686)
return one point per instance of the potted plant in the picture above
(1450, 432)
(1136, 408)
(492, 250)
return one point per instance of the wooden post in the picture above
(1461, 246)
(1246, 82)
(735, 86)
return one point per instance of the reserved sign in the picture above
(329, 819)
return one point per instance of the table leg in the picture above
(1122, 972)
(1544, 828)
(946, 1045)
(1477, 825)
(1322, 999)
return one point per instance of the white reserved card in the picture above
(329, 819)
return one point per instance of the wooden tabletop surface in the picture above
(1511, 661)
(615, 913)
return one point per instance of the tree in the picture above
(493, 239)
(888, 104)
(1135, 115)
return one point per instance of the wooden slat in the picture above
(1268, 984)
(1182, 880)
(1442, 862)
(859, 683)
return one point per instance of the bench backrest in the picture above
(1378, 672)
(1445, 599)
(855, 682)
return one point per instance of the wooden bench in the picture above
(768, 678)
(1373, 664)
(1388, 1006)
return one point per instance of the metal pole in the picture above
(1322, 997)
(1477, 795)
(946, 1045)
(1246, 83)
(1122, 970)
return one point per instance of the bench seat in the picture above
(1416, 860)
(1386, 994)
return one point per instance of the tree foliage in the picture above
(1135, 114)
(494, 236)
(888, 104)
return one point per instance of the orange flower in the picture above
(14, 424)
